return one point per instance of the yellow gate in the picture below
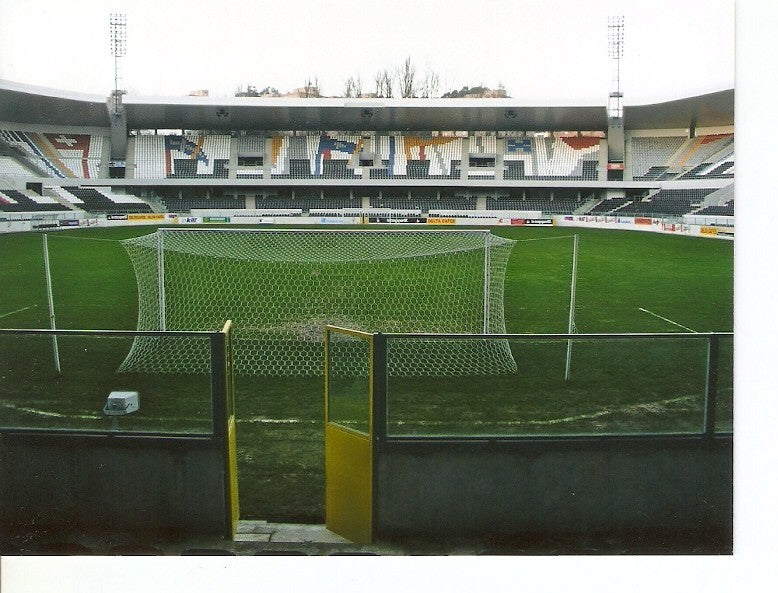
(348, 451)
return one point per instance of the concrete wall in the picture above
(81, 484)
(546, 489)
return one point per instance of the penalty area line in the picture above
(544, 238)
(667, 320)
(17, 311)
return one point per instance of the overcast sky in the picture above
(540, 50)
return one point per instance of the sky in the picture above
(541, 51)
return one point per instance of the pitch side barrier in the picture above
(85, 449)
(634, 447)
(719, 227)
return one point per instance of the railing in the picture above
(60, 380)
(619, 385)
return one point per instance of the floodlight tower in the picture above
(118, 37)
(616, 52)
(118, 42)
(615, 98)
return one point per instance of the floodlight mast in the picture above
(118, 39)
(616, 52)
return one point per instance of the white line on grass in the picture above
(17, 311)
(85, 238)
(544, 238)
(265, 420)
(623, 409)
(667, 320)
(50, 414)
(47, 414)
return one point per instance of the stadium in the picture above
(431, 325)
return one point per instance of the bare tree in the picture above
(430, 86)
(406, 75)
(348, 91)
(384, 83)
(353, 87)
(388, 83)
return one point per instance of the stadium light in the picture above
(616, 52)
(118, 41)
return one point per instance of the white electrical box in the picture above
(122, 402)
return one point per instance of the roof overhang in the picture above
(709, 110)
(253, 113)
(43, 106)
(37, 105)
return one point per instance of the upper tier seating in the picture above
(518, 158)
(702, 157)
(10, 167)
(346, 156)
(59, 155)
(193, 157)
(546, 158)
(251, 149)
(566, 157)
(149, 157)
(649, 152)
(181, 157)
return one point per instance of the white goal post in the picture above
(281, 286)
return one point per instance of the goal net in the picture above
(280, 287)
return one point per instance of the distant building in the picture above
(304, 92)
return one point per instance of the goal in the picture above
(280, 287)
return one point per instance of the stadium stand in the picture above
(565, 157)
(16, 201)
(610, 205)
(10, 167)
(727, 209)
(60, 155)
(149, 157)
(703, 157)
(546, 205)
(332, 156)
(183, 205)
(340, 155)
(650, 155)
(669, 202)
(181, 157)
(193, 157)
(423, 204)
(102, 200)
(518, 160)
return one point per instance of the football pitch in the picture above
(628, 282)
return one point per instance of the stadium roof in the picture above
(38, 105)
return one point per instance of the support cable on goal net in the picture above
(161, 278)
(487, 280)
(50, 296)
(571, 329)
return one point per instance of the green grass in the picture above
(614, 387)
